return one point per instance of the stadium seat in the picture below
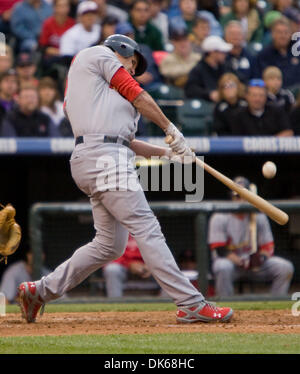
(169, 98)
(195, 117)
(154, 130)
(167, 92)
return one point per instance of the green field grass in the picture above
(123, 307)
(185, 343)
(195, 343)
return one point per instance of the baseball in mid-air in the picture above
(269, 169)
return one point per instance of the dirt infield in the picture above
(106, 323)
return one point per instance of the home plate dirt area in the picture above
(108, 323)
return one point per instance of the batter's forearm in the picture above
(149, 109)
(147, 150)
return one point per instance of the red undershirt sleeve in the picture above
(123, 82)
(267, 248)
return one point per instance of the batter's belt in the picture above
(104, 139)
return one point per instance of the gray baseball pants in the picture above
(115, 213)
(275, 269)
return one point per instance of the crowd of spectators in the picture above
(240, 55)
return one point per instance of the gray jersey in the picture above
(92, 105)
(105, 173)
(234, 232)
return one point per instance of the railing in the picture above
(169, 211)
(201, 145)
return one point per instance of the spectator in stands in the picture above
(295, 117)
(26, 69)
(245, 12)
(171, 8)
(26, 119)
(259, 119)
(277, 95)
(122, 4)
(203, 79)
(280, 54)
(108, 27)
(8, 91)
(200, 31)
(188, 15)
(144, 31)
(282, 5)
(293, 15)
(6, 8)
(224, 8)
(50, 102)
(110, 10)
(176, 67)
(230, 240)
(7, 59)
(211, 6)
(116, 272)
(19, 271)
(73, 8)
(159, 19)
(238, 61)
(53, 28)
(84, 34)
(231, 94)
(269, 18)
(26, 22)
(151, 77)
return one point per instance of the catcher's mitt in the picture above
(10, 232)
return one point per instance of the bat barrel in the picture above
(264, 206)
(261, 204)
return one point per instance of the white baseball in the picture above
(269, 169)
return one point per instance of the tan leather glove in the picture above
(10, 232)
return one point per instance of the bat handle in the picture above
(168, 139)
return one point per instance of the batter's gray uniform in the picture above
(96, 111)
(233, 232)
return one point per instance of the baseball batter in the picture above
(230, 242)
(103, 103)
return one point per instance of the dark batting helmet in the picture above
(127, 47)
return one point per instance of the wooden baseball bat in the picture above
(261, 204)
(253, 225)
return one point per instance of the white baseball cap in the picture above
(215, 43)
(86, 7)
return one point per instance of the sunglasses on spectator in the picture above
(229, 85)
